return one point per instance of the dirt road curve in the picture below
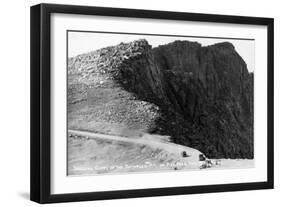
(167, 146)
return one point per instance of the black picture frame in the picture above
(41, 98)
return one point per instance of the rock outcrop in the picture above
(200, 96)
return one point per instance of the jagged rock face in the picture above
(204, 94)
(97, 97)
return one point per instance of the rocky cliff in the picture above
(200, 96)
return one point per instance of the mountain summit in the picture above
(202, 97)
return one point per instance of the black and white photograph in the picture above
(133, 103)
(139, 103)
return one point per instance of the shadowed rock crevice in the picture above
(201, 96)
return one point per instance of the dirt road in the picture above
(145, 140)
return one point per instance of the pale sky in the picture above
(83, 42)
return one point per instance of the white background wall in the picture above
(14, 104)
